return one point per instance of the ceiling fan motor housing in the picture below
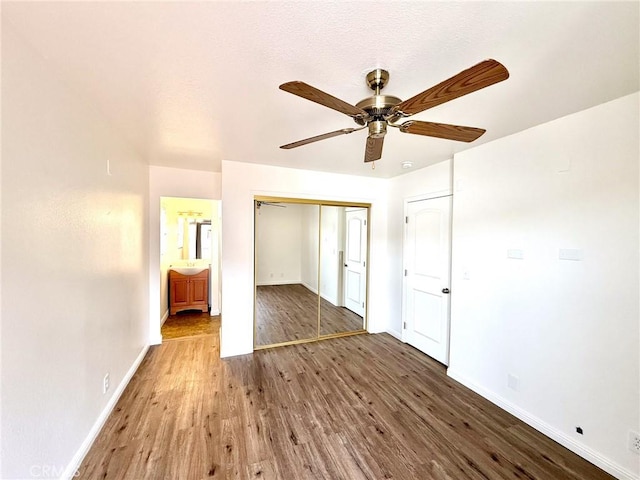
(378, 108)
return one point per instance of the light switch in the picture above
(513, 382)
(570, 254)
(515, 253)
(563, 164)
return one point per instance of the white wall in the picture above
(240, 182)
(309, 254)
(1, 367)
(279, 244)
(172, 182)
(429, 181)
(567, 329)
(331, 262)
(74, 242)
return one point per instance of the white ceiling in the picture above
(191, 83)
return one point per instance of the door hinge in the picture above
(404, 325)
(364, 264)
(405, 272)
(365, 223)
(406, 219)
(362, 304)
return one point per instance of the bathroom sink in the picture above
(189, 270)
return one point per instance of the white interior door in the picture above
(355, 272)
(427, 259)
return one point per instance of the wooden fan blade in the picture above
(304, 90)
(442, 130)
(373, 151)
(475, 78)
(317, 138)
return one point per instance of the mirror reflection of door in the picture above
(355, 260)
(343, 269)
(203, 239)
(286, 252)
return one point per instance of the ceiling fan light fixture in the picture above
(377, 129)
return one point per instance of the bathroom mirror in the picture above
(310, 270)
(202, 247)
(193, 238)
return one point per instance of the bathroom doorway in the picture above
(189, 267)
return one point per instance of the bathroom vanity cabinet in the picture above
(188, 292)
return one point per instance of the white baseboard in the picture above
(546, 429)
(331, 300)
(278, 282)
(395, 333)
(310, 288)
(70, 472)
(164, 317)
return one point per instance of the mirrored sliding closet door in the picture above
(343, 284)
(310, 270)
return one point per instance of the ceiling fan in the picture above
(381, 111)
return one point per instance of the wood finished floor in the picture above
(290, 312)
(188, 324)
(360, 407)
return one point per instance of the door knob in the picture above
(445, 290)
(346, 265)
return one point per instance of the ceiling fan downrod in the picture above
(377, 79)
(378, 107)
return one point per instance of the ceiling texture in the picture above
(192, 83)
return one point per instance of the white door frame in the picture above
(407, 201)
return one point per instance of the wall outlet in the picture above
(513, 382)
(634, 442)
(105, 383)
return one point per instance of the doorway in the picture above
(189, 266)
(427, 272)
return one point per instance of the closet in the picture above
(311, 270)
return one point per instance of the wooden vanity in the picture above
(188, 292)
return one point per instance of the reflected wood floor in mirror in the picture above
(290, 312)
(352, 408)
(338, 319)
